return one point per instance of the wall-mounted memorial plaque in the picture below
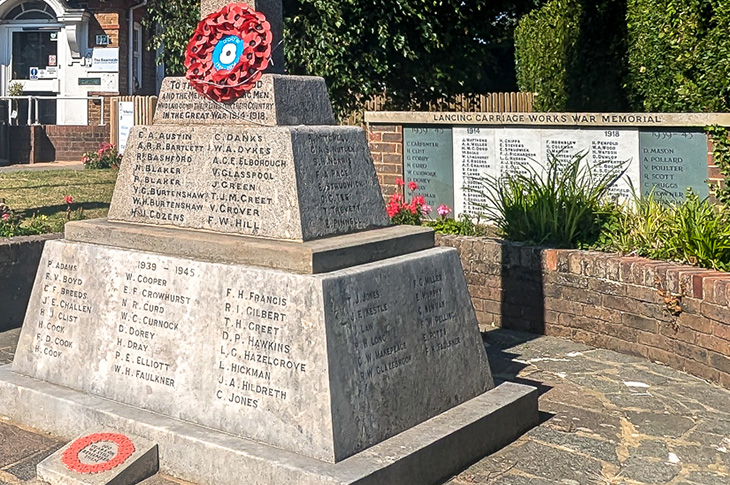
(428, 161)
(475, 157)
(487, 152)
(517, 150)
(604, 150)
(673, 161)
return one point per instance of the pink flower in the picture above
(85, 159)
(426, 209)
(399, 182)
(6, 217)
(443, 210)
(412, 186)
(68, 199)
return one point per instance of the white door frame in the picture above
(7, 28)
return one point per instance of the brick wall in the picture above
(19, 258)
(674, 314)
(386, 147)
(49, 143)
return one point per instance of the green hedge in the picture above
(569, 52)
(679, 55)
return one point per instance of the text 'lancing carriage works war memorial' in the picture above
(247, 307)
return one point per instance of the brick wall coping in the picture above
(548, 119)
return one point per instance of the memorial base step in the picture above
(311, 257)
(424, 454)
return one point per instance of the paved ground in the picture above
(607, 419)
(43, 166)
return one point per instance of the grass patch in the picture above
(42, 192)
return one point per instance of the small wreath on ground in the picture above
(71, 458)
(228, 52)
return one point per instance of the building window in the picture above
(33, 49)
(32, 11)
(137, 60)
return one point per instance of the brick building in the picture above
(75, 49)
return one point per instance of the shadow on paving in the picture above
(50, 210)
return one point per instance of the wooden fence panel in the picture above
(144, 113)
(486, 103)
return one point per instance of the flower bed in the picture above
(674, 314)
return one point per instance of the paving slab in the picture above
(607, 419)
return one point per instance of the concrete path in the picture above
(42, 166)
(607, 419)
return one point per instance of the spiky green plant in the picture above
(562, 204)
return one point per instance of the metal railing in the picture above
(33, 102)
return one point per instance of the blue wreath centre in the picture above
(219, 64)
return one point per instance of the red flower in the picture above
(68, 199)
(412, 186)
(392, 209)
(399, 182)
(228, 52)
(419, 200)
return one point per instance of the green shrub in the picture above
(565, 206)
(721, 156)
(693, 232)
(678, 55)
(106, 156)
(570, 52)
(463, 226)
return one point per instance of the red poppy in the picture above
(224, 72)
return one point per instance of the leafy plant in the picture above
(562, 205)
(678, 55)
(463, 226)
(693, 231)
(570, 52)
(721, 155)
(105, 157)
(13, 224)
(15, 89)
(413, 51)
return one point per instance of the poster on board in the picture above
(126, 122)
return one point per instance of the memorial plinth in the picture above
(247, 308)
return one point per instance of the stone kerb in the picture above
(678, 315)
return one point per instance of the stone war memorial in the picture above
(246, 314)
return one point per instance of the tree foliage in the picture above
(679, 55)
(412, 50)
(570, 52)
(172, 24)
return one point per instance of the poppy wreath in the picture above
(228, 52)
(70, 457)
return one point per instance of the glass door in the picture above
(33, 52)
(35, 61)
